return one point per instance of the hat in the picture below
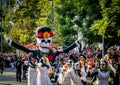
(44, 32)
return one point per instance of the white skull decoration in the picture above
(44, 38)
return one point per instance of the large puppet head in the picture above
(44, 38)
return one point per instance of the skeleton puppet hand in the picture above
(8, 40)
(78, 42)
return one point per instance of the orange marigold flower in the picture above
(46, 35)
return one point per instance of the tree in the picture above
(109, 25)
(26, 16)
(65, 12)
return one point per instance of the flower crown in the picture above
(45, 34)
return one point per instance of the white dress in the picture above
(75, 79)
(103, 78)
(32, 75)
(83, 74)
(42, 76)
(70, 78)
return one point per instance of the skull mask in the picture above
(103, 65)
(44, 38)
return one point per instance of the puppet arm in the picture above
(12, 43)
(77, 43)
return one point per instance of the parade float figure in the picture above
(44, 37)
(104, 75)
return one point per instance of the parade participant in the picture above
(83, 69)
(42, 73)
(60, 77)
(32, 74)
(75, 78)
(69, 77)
(103, 74)
(25, 65)
(44, 40)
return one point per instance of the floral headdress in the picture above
(44, 32)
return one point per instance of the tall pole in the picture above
(103, 43)
(52, 13)
(0, 25)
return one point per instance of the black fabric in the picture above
(68, 48)
(21, 47)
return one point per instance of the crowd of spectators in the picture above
(91, 54)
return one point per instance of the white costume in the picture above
(32, 76)
(60, 79)
(83, 74)
(75, 79)
(70, 78)
(42, 76)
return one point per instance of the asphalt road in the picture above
(8, 78)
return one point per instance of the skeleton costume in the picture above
(103, 74)
(69, 76)
(44, 40)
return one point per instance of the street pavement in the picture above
(8, 78)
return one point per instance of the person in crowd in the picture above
(117, 77)
(18, 66)
(12, 63)
(68, 75)
(57, 71)
(1, 64)
(42, 73)
(103, 74)
(25, 67)
(32, 73)
(83, 69)
(8, 61)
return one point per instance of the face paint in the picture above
(103, 65)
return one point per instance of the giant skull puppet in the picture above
(44, 40)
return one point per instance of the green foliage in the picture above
(26, 19)
(95, 18)
(65, 13)
(88, 13)
(109, 25)
(99, 26)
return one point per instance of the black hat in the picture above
(44, 32)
